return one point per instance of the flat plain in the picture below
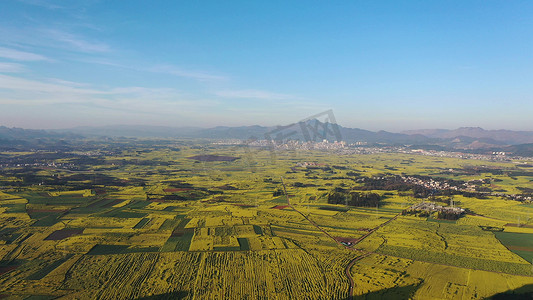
(151, 219)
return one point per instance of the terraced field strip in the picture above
(64, 233)
(49, 268)
(141, 223)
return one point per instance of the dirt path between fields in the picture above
(353, 261)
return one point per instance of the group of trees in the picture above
(278, 192)
(448, 215)
(416, 212)
(354, 198)
(441, 214)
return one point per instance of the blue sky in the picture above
(380, 65)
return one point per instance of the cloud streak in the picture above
(40, 3)
(20, 91)
(11, 67)
(76, 42)
(254, 94)
(173, 70)
(56, 86)
(20, 55)
(161, 69)
(26, 85)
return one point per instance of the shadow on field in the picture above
(525, 292)
(400, 292)
(165, 296)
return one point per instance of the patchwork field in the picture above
(174, 221)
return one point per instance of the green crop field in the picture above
(519, 243)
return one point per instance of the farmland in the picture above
(190, 219)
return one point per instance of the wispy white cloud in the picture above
(26, 85)
(136, 90)
(66, 82)
(88, 51)
(176, 71)
(254, 94)
(75, 41)
(42, 3)
(81, 102)
(20, 55)
(103, 61)
(60, 88)
(68, 91)
(11, 67)
(44, 36)
(163, 69)
(21, 91)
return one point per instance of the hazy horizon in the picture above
(379, 65)
(209, 127)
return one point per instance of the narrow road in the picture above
(374, 229)
(347, 272)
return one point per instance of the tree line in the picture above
(354, 198)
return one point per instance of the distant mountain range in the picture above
(245, 132)
(464, 138)
(15, 138)
(25, 134)
(463, 135)
(504, 136)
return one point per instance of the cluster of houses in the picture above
(515, 197)
(432, 207)
(433, 184)
(469, 186)
(429, 183)
(311, 164)
(288, 144)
